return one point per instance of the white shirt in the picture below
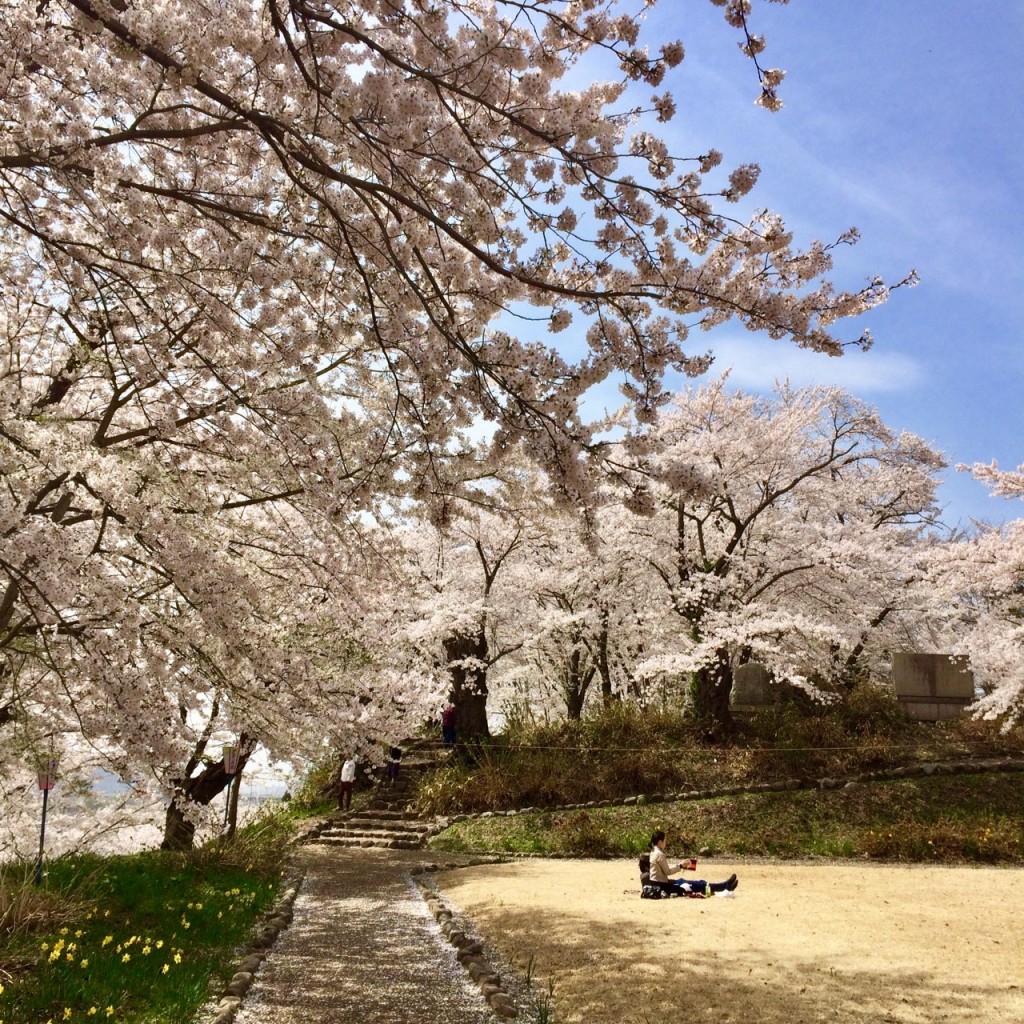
(348, 771)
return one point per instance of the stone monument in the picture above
(932, 687)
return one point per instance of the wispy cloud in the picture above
(756, 363)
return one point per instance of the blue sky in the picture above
(906, 120)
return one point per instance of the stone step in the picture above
(380, 844)
(374, 833)
(390, 824)
(384, 820)
(381, 814)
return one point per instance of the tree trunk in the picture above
(577, 683)
(469, 683)
(604, 668)
(711, 688)
(574, 699)
(179, 833)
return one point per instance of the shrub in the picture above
(318, 791)
(257, 847)
(26, 907)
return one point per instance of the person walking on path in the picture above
(660, 870)
(449, 720)
(394, 764)
(346, 784)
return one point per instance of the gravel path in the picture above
(362, 947)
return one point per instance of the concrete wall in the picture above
(932, 687)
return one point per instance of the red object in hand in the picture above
(693, 864)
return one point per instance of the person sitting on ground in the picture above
(645, 869)
(660, 869)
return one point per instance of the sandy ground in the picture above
(798, 944)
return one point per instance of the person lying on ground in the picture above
(659, 870)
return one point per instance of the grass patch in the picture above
(946, 818)
(136, 938)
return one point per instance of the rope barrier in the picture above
(724, 751)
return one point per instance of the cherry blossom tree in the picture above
(467, 608)
(982, 576)
(588, 627)
(781, 529)
(262, 264)
(1004, 483)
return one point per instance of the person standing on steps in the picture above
(660, 869)
(394, 764)
(449, 720)
(346, 784)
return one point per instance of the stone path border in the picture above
(270, 926)
(470, 950)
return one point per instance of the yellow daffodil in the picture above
(177, 958)
(84, 962)
(146, 950)
(107, 940)
(163, 970)
(126, 958)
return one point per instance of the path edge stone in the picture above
(468, 945)
(267, 930)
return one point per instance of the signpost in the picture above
(47, 780)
